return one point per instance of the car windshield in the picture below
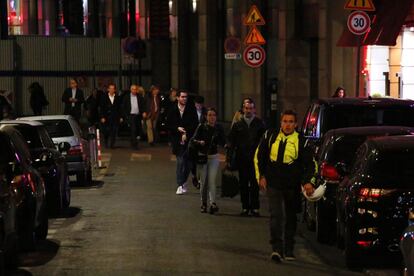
(362, 115)
(31, 136)
(58, 128)
(393, 169)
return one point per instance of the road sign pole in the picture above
(358, 64)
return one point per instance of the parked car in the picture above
(23, 191)
(48, 161)
(331, 113)
(64, 128)
(338, 148)
(407, 245)
(373, 199)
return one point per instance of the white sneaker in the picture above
(184, 188)
(179, 190)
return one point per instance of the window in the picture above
(58, 128)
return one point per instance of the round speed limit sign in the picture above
(358, 22)
(254, 55)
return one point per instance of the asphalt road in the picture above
(131, 222)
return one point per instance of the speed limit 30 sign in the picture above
(254, 55)
(358, 22)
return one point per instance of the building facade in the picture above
(309, 51)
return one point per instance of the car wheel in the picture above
(66, 194)
(89, 176)
(80, 178)
(353, 256)
(42, 229)
(324, 232)
(26, 231)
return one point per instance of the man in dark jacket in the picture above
(110, 114)
(182, 122)
(37, 98)
(243, 140)
(73, 99)
(133, 108)
(282, 165)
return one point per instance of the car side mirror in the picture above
(342, 168)
(64, 146)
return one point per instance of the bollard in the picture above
(98, 141)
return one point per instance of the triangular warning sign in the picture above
(360, 5)
(254, 37)
(254, 17)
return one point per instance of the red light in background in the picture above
(364, 243)
(137, 16)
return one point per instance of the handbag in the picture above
(231, 158)
(196, 155)
(229, 183)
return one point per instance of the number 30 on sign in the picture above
(358, 22)
(254, 56)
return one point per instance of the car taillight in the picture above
(329, 172)
(76, 150)
(364, 243)
(368, 194)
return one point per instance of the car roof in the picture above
(8, 129)
(21, 122)
(369, 130)
(46, 117)
(364, 101)
(386, 143)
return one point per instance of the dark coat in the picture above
(91, 107)
(212, 136)
(188, 121)
(152, 114)
(203, 117)
(76, 110)
(244, 139)
(37, 98)
(110, 111)
(126, 105)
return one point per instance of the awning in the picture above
(386, 25)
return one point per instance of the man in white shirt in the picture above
(73, 99)
(133, 108)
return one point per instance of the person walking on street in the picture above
(133, 107)
(182, 122)
(153, 107)
(110, 114)
(91, 106)
(239, 113)
(37, 98)
(282, 165)
(207, 137)
(73, 99)
(243, 140)
(202, 117)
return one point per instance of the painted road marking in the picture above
(140, 157)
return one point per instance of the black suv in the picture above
(338, 151)
(332, 113)
(374, 198)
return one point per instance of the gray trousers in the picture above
(282, 208)
(208, 176)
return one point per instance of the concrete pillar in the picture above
(208, 72)
(50, 17)
(33, 26)
(4, 28)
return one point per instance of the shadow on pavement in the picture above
(70, 212)
(95, 184)
(18, 272)
(45, 251)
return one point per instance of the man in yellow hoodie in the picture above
(283, 165)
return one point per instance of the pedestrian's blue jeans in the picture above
(183, 168)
